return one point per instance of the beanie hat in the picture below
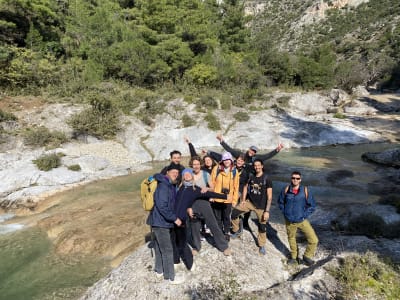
(226, 156)
(254, 148)
(173, 166)
(187, 170)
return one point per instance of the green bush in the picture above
(187, 121)
(339, 115)
(367, 224)
(101, 120)
(241, 116)
(47, 162)
(42, 136)
(212, 121)
(6, 116)
(207, 101)
(74, 167)
(226, 102)
(366, 277)
(283, 101)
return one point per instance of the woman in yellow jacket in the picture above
(225, 179)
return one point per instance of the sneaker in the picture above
(227, 252)
(179, 279)
(159, 275)
(193, 268)
(308, 261)
(262, 250)
(236, 234)
(194, 252)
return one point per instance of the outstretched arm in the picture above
(267, 156)
(235, 152)
(191, 147)
(215, 156)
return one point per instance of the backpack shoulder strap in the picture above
(286, 189)
(306, 192)
(205, 177)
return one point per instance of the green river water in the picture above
(30, 268)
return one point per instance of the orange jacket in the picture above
(222, 180)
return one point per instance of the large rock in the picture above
(389, 157)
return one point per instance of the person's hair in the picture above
(175, 152)
(213, 161)
(260, 160)
(296, 173)
(242, 156)
(193, 158)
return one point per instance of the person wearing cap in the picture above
(162, 220)
(225, 180)
(188, 196)
(250, 155)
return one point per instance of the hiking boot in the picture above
(308, 261)
(262, 250)
(179, 279)
(227, 252)
(236, 234)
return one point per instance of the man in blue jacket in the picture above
(162, 219)
(297, 204)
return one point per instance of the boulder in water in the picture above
(389, 157)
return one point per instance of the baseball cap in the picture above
(254, 148)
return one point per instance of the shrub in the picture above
(207, 101)
(74, 167)
(339, 115)
(223, 287)
(42, 136)
(367, 276)
(48, 162)
(6, 116)
(212, 121)
(367, 224)
(241, 116)
(187, 121)
(226, 102)
(283, 101)
(101, 120)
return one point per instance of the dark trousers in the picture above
(164, 252)
(203, 209)
(182, 250)
(222, 212)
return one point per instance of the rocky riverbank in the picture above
(304, 120)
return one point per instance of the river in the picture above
(77, 236)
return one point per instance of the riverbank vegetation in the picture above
(67, 49)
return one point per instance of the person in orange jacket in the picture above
(225, 180)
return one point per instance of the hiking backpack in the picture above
(147, 189)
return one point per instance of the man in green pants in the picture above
(297, 204)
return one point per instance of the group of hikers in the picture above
(216, 194)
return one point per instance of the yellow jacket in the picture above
(229, 181)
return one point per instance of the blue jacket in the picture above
(296, 208)
(186, 197)
(163, 213)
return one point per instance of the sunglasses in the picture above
(296, 178)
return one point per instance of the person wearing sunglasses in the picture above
(297, 203)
